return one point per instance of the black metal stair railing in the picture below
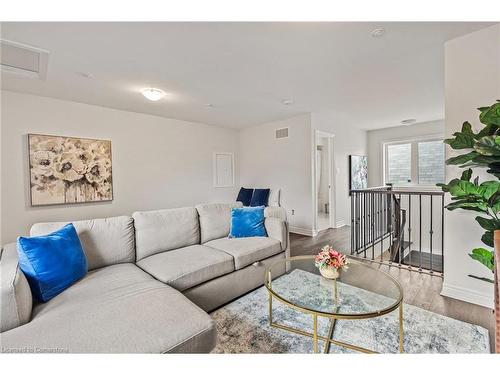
(401, 227)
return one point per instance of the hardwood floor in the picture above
(420, 290)
(415, 259)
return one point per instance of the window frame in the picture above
(414, 165)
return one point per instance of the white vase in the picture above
(329, 272)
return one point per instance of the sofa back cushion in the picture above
(162, 230)
(105, 241)
(215, 219)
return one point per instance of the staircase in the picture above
(401, 227)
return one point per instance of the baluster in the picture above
(431, 232)
(381, 223)
(364, 225)
(420, 234)
(358, 224)
(409, 229)
(402, 230)
(390, 205)
(352, 221)
(442, 233)
(373, 224)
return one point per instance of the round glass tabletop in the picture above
(361, 291)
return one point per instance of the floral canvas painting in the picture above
(358, 172)
(67, 170)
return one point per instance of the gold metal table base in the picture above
(329, 339)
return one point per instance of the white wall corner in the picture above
(466, 65)
(468, 295)
(340, 224)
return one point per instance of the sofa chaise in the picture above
(152, 279)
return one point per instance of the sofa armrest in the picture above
(277, 212)
(277, 227)
(16, 298)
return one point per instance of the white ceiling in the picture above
(246, 69)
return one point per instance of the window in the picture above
(430, 162)
(420, 161)
(399, 163)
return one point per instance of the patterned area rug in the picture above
(243, 326)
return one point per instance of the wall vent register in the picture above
(281, 133)
(21, 59)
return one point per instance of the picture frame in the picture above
(69, 170)
(358, 172)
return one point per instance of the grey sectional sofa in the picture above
(152, 279)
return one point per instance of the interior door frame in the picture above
(331, 179)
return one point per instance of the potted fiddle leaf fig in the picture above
(480, 150)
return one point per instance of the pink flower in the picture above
(329, 257)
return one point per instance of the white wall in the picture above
(290, 165)
(157, 162)
(472, 80)
(376, 139)
(267, 162)
(1, 177)
(348, 140)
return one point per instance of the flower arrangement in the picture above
(329, 261)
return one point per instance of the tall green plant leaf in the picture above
(488, 146)
(487, 238)
(488, 224)
(463, 139)
(463, 159)
(490, 115)
(466, 175)
(484, 152)
(484, 256)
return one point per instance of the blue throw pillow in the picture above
(245, 196)
(247, 222)
(52, 262)
(260, 197)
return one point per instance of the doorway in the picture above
(324, 180)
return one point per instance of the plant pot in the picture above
(329, 273)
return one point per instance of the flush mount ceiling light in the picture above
(409, 121)
(287, 102)
(378, 32)
(153, 94)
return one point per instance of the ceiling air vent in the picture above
(21, 59)
(281, 133)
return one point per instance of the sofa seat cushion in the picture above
(117, 309)
(247, 250)
(188, 266)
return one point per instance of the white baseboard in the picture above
(304, 231)
(310, 232)
(340, 224)
(467, 295)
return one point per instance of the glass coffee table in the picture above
(360, 292)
